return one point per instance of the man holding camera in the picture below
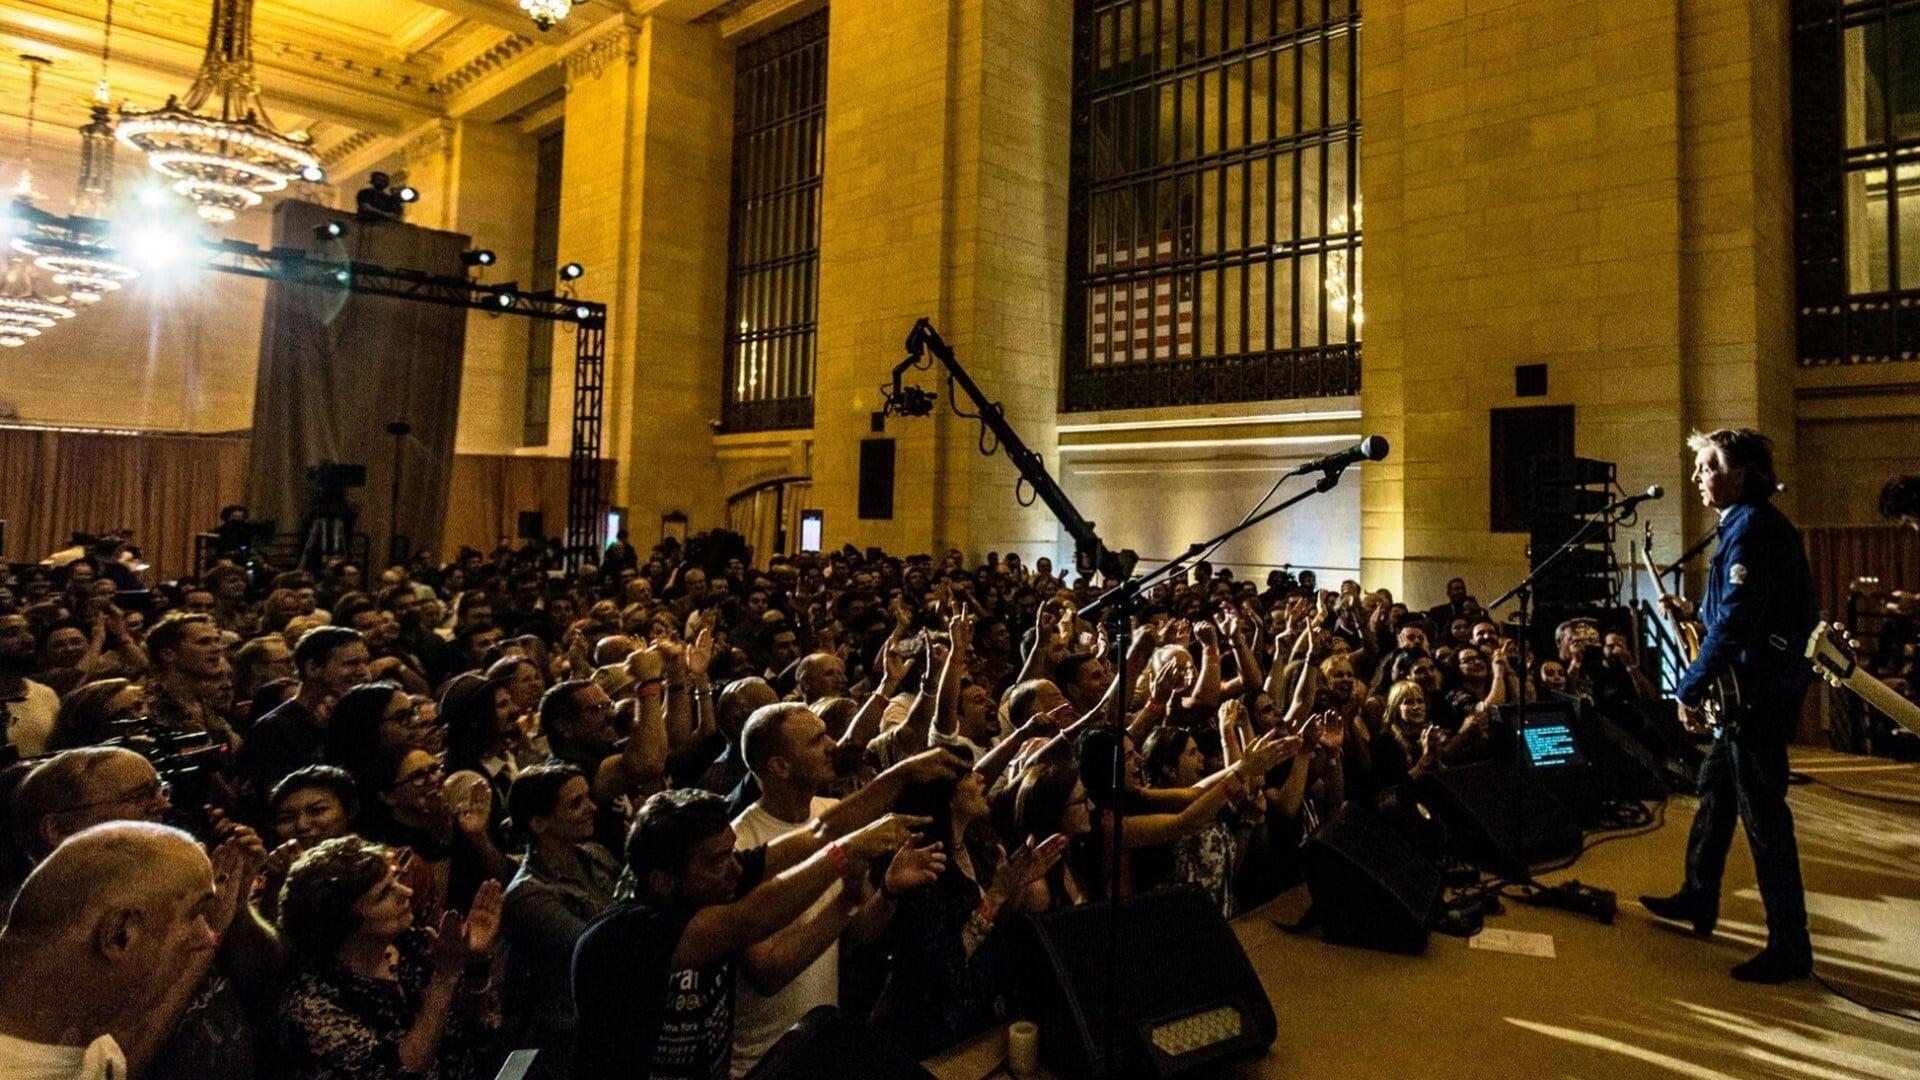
(1758, 609)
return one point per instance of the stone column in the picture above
(944, 196)
(644, 205)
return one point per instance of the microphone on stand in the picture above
(1371, 448)
(1653, 492)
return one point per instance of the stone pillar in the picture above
(644, 205)
(492, 198)
(945, 197)
(1523, 186)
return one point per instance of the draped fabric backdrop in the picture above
(757, 514)
(494, 489)
(1839, 554)
(336, 369)
(165, 488)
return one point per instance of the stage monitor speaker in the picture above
(829, 1041)
(1185, 994)
(1502, 816)
(1369, 887)
(1627, 767)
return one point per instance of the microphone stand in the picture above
(1117, 604)
(1523, 591)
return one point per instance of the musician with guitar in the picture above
(1757, 611)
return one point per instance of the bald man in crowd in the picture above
(120, 919)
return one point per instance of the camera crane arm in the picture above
(904, 400)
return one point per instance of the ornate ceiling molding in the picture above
(338, 152)
(598, 52)
(433, 139)
(482, 65)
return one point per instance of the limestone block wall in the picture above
(1600, 189)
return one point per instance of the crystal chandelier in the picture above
(24, 313)
(545, 13)
(93, 191)
(24, 188)
(1337, 261)
(224, 162)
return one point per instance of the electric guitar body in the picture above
(1722, 707)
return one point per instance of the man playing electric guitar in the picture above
(1758, 608)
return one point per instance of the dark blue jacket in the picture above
(1758, 608)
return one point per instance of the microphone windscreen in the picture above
(1374, 447)
(1656, 492)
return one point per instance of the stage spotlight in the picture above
(155, 247)
(343, 275)
(572, 271)
(151, 195)
(331, 230)
(313, 174)
(503, 299)
(408, 194)
(476, 257)
(583, 313)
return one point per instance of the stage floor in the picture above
(1639, 998)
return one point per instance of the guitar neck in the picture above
(1882, 697)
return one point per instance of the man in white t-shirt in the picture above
(28, 707)
(790, 753)
(103, 947)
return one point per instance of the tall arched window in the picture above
(1214, 234)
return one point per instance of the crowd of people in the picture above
(642, 816)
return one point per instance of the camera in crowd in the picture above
(187, 761)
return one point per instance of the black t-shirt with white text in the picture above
(637, 1016)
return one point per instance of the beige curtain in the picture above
(490, 490)
(166, 488)
(761, 514)
(1842, 554)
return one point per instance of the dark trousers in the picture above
(1745, 777)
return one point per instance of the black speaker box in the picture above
(1628, 768)
(1504, 819)
(1177, 959)
(829, 1041)
(1369, 887)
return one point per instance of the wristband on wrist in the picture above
(653, 688)
(838, 856)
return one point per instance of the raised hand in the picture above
(929, 765)
(648, 664)
(883, 836)
(1270, 750)
(893, 665)
(449, 953)
(1029, 863)
(1140, 649)
(915, 865)
(236, 862)
(273, 871)
(483, 920)
(699, 655)
(1166, 684)
(960, 629)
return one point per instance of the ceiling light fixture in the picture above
(545, 13)
(24, 188)
(224, 160)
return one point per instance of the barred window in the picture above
(1214, 233)
(773, 254)
(546, 250)
(1856, 109)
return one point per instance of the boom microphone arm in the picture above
(903, 400)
